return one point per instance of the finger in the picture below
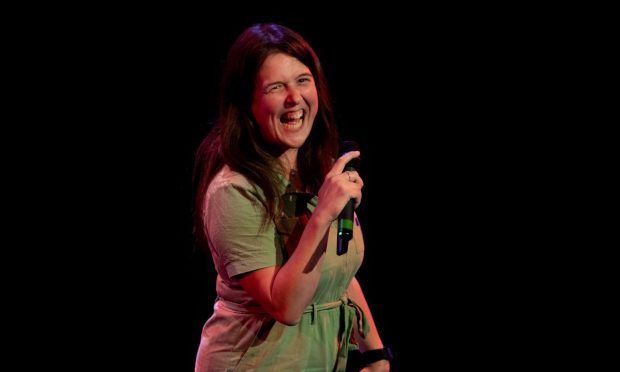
(354, 187)
(353, 176)
(342, 161)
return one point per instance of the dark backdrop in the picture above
(435, 99)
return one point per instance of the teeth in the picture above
(293, 124)
(289, 116)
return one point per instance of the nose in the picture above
(293, 97)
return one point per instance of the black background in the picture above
(440, 102)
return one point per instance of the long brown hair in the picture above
(236, 140)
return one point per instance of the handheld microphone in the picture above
(345, 219)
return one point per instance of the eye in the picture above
(304, 80)
(274, 88)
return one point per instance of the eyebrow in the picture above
(304, 74)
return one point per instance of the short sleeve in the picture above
(234, 218)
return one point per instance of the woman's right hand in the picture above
(338, 188)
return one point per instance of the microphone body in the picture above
(345, 219)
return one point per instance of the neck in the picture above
(295, 180)
(288, 161)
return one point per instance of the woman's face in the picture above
(285, 101)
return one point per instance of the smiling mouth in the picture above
(292, 120)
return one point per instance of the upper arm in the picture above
(258, 284)
(234, 218)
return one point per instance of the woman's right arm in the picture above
(286, 291)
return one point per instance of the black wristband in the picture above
(372, 356)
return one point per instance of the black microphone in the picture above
(345, 219)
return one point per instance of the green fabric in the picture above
(240, 336)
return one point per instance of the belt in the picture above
(350, 312)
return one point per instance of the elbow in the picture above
(290, 322)
(290, 318)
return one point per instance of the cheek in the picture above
(263, 108)
(315, 99)
(314, 104)
(272, 105)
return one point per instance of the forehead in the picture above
(281, 66)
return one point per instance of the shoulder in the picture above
(231, 183)
(228, 177)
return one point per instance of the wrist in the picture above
(371, 356)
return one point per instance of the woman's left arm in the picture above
(372, 341)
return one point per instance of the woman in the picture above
(268, 192)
